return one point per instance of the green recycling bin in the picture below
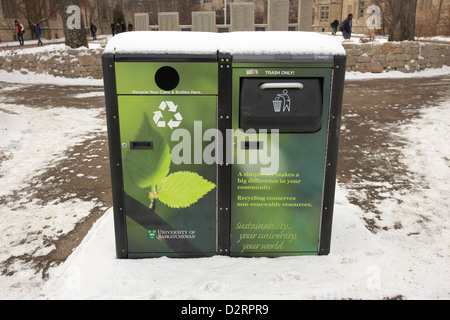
(164, 197)
(222, 143)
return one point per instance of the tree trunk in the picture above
(73, 25)
(438, 19)
(403, 24)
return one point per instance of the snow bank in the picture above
(51, 49)
(361, 266)
(32, 141)
(93, 272)
(44, 135)
(33, 78)
(431, 72)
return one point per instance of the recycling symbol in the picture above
(171, 107)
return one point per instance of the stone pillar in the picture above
(305, 12)
(204, 21)
(168, 21)
(242, 16)
(141, 21)
(278, 15)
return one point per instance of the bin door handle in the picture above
(281, 85)
(141, 145)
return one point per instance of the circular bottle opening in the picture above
(167, 78)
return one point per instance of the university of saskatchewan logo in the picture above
(152, 234)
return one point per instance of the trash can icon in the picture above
(282, 102)
(277, 104)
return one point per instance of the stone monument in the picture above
(242, 16)
(204, 21)
(305, 13)
(141, 21)
(168, 21)
(278, 15)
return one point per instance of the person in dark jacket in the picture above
(37, 31)
(334, 25)
(113, 28)
(93, 31)
(347, 27)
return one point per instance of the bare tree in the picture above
(36, 11)
(446, 23)
(90, 9)
(434, 20)
(403, 23)
(73, 25)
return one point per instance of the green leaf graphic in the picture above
(182, 189)
(148, 167)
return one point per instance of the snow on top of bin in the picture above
(163, 42)
(245, 43)
(281, 42)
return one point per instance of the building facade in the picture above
(325, 12)
(432, 16)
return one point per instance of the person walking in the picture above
(334, 25)
(20, 30)
(130, 26)
(93, 31)
(37, 31)
(347, 27)
(113, 28)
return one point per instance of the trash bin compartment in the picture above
(292, 105)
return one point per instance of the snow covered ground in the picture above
(54, 43)
(361, 265)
